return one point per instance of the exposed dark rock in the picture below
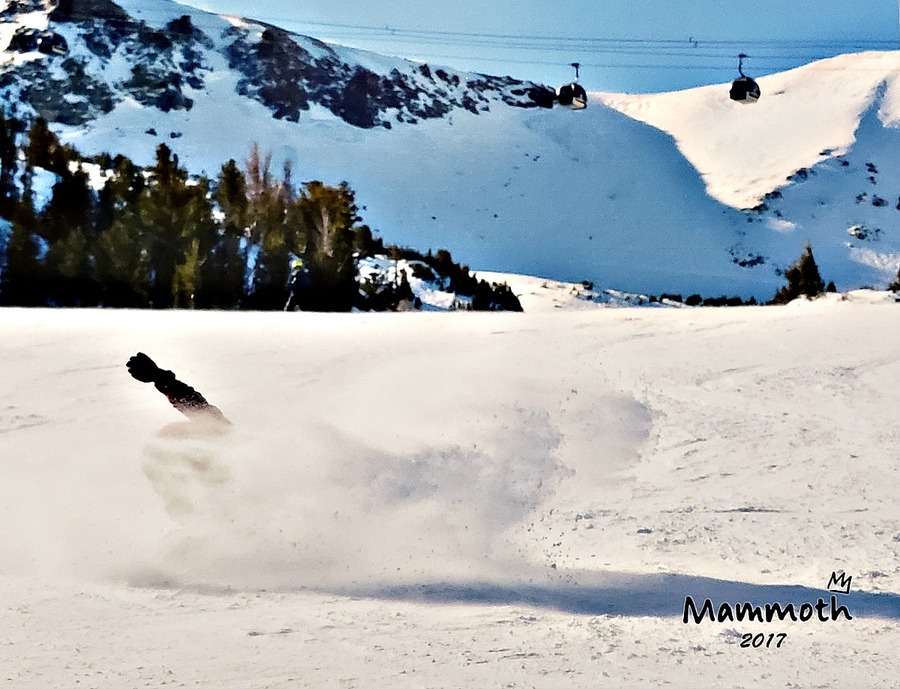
(181, 29)
(28, 40)
(86, 10)
(358, 104)
(284, 72)
(17, 7)
(73, 100)
(749, 261)
(159, 89)
(542, 96)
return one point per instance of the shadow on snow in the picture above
(638, 595)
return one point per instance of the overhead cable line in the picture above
(526, 41)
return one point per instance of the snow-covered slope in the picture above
(442, 159)
(805, 116)
(817, 157)
(450, 500)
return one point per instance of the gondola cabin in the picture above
(744, 89)
(572, 95)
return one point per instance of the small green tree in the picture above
(803, 279)
(895, 285)
(495, 297)
(186, 281)
(122, 188)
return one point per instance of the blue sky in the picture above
(623, 45)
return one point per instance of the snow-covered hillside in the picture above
(816, 156)
(806, 116)
(450, 500)
(441, 159)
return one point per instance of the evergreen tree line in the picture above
(158, 238)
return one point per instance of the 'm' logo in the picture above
(839, 582)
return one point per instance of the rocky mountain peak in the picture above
(86, 10)
(93, 56)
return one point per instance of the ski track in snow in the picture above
(461, 500)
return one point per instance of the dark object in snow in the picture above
(542, 96)
(181, 395)
(573, 95)
(29, 40)
(744, 89)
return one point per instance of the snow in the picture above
(600, 195)
(97, 176)
(779, 225)
(25, 20)
(457, 500)
(42, 183)
(549, 197)
(745, 151)
(158, 13)
(539, 295)
(432, 297)
(5, 234)
(888, 264)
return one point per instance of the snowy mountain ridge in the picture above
(91, 56)
(645, 194)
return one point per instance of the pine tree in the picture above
(72, 264)
(803, 279)
(121, 263)
(121, 191)
(171, 215)
(186, 280)
(325, 218)
(273, 240)
(223, 273)
(287, 184)
(895, 285)
(43, 149)
(10, 129)
(276, 242)
(68, 226)
(20, 281)
(122, 266)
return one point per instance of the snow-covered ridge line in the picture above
(171, 51)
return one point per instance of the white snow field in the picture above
(451, 500)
